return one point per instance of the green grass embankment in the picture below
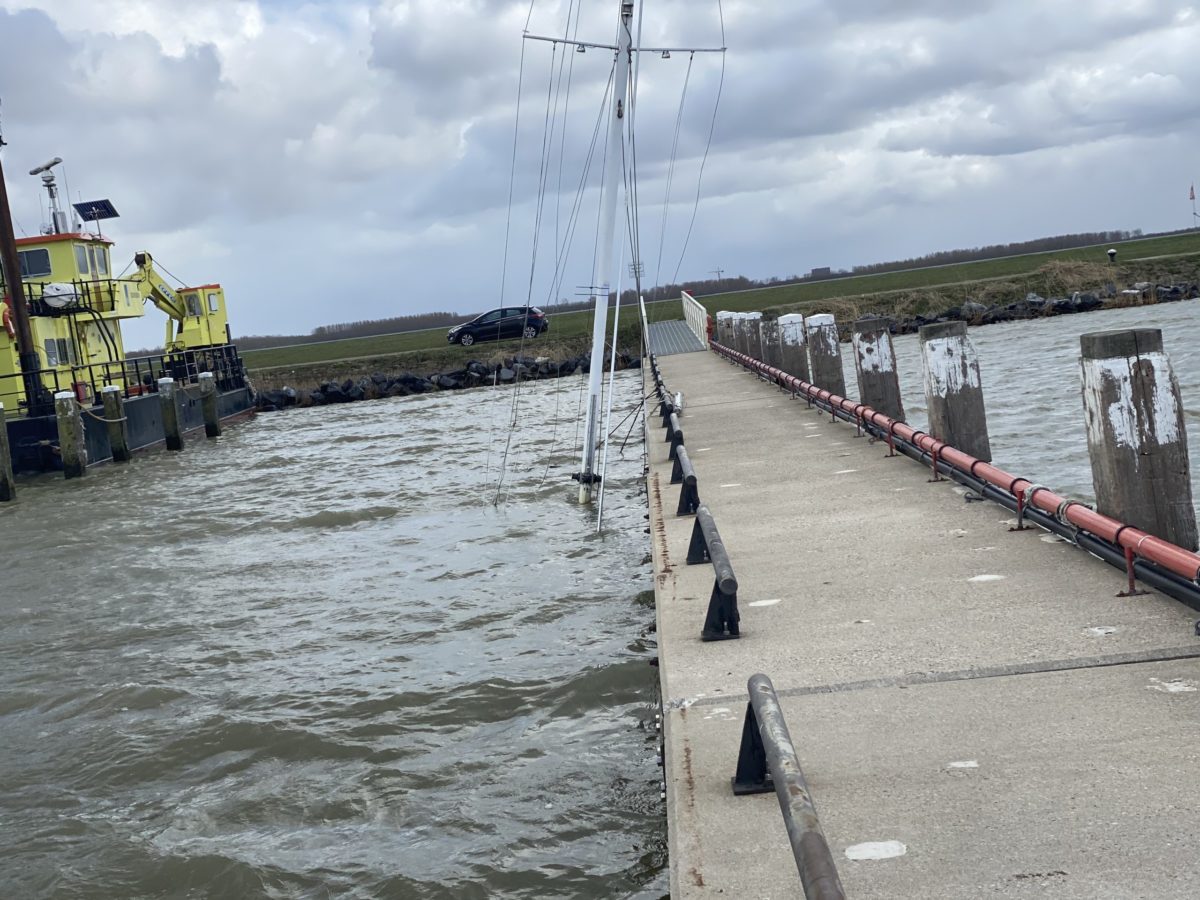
(920, 291)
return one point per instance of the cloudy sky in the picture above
(331, 161)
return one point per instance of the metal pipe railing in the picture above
(722, 618)
(1129, 543)
(684, 475)
(767, 762)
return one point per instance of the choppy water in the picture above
(311, 659)
(1031, 387)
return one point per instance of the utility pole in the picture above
(717, 272)
(27, 352)
(607, 233)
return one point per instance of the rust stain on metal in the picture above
(660, 530)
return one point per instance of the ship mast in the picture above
(16, 298)
(605, 236)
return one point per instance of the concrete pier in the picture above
(976, 713)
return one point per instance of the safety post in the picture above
(170, 414)
(8, 485)
(875, 363)
(793, 351)
(825, 353)
(1137, 441)
(953, 389)
(114, 422)
(684, 475)
(71, 445)
(769, 327)
(674, 434)
(767, 762)
(208, 404)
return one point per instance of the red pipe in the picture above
(1175, 559)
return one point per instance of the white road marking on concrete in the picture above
(766, 602)
(876, 850)
(981, 578)
(898, 490)
(964, 764)
(1103, 630)
(844, 471)
(1178, 686)
(735, 484)
(812, 435)
(1052, 539)
(862, 621)
(720, 712)
(704, 449)
(983, 549)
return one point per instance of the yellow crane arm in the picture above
(155, 289)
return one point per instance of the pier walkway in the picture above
(978, 695)
(671, 337)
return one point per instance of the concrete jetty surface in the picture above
(975, 705)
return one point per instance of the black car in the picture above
(497, 324)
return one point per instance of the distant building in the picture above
(823, 272)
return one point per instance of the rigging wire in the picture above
(512, 175)
(662, 234)
(707, 146)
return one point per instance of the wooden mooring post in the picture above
(770, 340)
(953, 389)
(172, 432)
(209, 405)
(8, 485)
(724, 328)
(793, 351)
(114, 422)
(875, 363)
(754, 342)
(1137, 440)
(72, 446)
(825, 353)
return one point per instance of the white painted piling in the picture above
(954, 389)
(825, 353)
(209, 405)
(793, 348)
(875, 364)
(725, 328)
(769, 327)
(172, 432)
(753, 334)
(115, 424)
(8, 485)
(72, 445)
(1137, 441)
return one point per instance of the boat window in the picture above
(102, 260)
(81, 259)
(214, 303)
(70, 350)
(192, 304)
(34, 263)
(51, 353)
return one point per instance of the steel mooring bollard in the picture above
(172, 432)
(875, 364)
(114, 423)
(954, 389)
(8, 484)
(825, 353)
(1137, 441)
(209, 406)
(72, 446)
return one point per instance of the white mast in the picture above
(605, 237)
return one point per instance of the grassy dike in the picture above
(306, 375)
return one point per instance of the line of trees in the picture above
(391, 325)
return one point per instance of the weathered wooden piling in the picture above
(114, 422)
(724, 329)
(825, 353)
(71, 444)
(753, 334)
(1136, 435)
(8, 485)
(170, 414)
(875, 363)
(209, 406)
(953, 389)
(770, 340)
(793, 349)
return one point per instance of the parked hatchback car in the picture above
(497, 324)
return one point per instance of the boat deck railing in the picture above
(134, 376)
